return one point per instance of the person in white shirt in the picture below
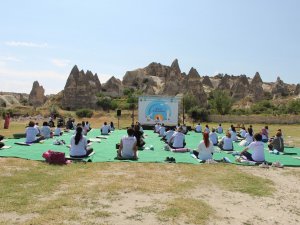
(162, 130)
(168, 134)
(128, 146)
(206, 129)
(31, 133)
(257, 148)
(79, 145)
(156, 128)
(220, 129)
(233, 134)
(226, 142)
(213, 137)
(205, 148)
(178, 139)
(58, 131)
(105, 129)
(184, 129)
(265, 134)
(45, 130)
(198, 128)
(242, 133)
(249, 136)
(36, 126)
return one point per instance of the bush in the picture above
(105, 103)
(84, 113)
(198, 114)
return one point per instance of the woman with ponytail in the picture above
(205, 148)
(79, 145)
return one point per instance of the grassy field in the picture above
(34, 192)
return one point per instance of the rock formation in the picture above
(224, 83)
(297, 90)
(113, 87)
(207, 82)
(256, 90)
(194, 86)
(37, 95)
(80, 90)
(240, 88)
(279, 89)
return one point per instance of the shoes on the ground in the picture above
(277, 164)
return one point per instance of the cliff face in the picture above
(80, 90)
(37, 95)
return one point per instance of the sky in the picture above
(43, 40)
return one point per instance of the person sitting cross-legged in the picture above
(79, 145)
(105, 129)
(257, 147)
(226, 143)
(178, 139)
(128, 146)
(205, 148)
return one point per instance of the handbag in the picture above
(53, 157)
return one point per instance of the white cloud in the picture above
(26, 44)
(60, 62)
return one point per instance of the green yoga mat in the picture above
(105, 151)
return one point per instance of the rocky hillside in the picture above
(156, 79)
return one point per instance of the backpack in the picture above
(53, 157)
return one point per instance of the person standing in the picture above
(6, 121)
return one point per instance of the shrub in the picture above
(84, 113)
(197, 114)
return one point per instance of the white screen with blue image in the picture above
(153, 109)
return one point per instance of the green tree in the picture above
(84, 113)
(220, 101)
(189, 101)
(105, 103)
(293, 107)
(197, 114)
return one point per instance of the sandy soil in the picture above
(230, 207)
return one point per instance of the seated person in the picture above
(128, 146)
(162, 130)
(79, 145)
(265, 134)
(249, 136)
(198, 128)
(105, 129)
(156, 128)
(220, 129)
(242, 132)
(168, 134)
(277, 143)
(31, 133)
(205, 148)
(178, 139)
(1, 143)
(111, 126)
(141, 128)
(226, 143)
(184, 129)
(233, 134)
(139, 136)
(206, 129)
(57, 130)
(213, 137)
(45, 130)
(69, 124)
(37, 127)
(257, 147)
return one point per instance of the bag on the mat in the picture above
(53, 157)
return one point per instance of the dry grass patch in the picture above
(186, 210)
